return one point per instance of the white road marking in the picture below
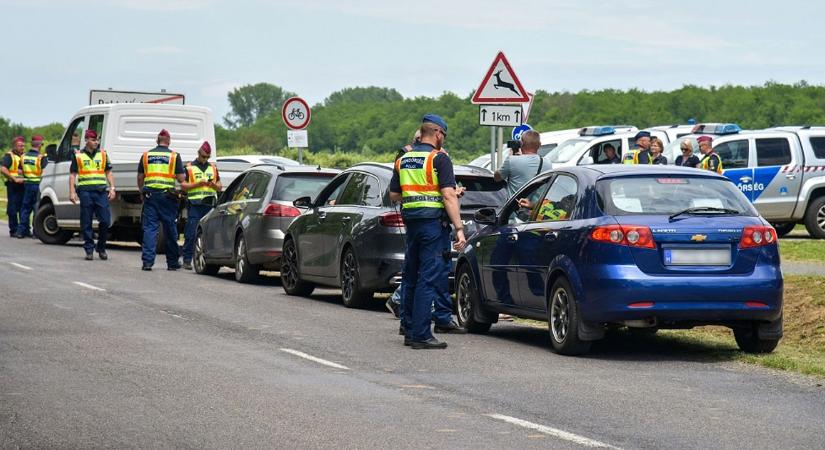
(575, 438)
(314, 359)
(20, 266)
(88, 286)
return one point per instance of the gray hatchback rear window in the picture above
(291, 186)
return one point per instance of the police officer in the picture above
(202, 186)
(11, 170)
(710, 160)
(641, 154)
(157, 171)
(89, 176)
(423, 180)
(32, 165)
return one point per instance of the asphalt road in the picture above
(100, 354)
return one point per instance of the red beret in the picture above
(704, 139)
(37, 137)
(18, 138)
(206, 147)
(91, 134)
(163, 133)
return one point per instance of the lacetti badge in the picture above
(698, 237)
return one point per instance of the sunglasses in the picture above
(685, 149)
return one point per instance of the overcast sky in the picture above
(55, 51)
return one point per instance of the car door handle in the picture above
(346, 219)
(512, 237)
(551, 235)
(223, 212)
(745, 179)
(791, 176)
(322, 215)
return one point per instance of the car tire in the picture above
(351, 292)
(815, 218)
(782, 229)
(467, 302)
(245, 272)
(563, 320)
(747, 338)
(290, 276)
(199, 258)
(46, 228)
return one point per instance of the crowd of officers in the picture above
(92, 185)
(423, 183)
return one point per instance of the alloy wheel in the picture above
(463, 298)
(289, 273)
(820, 217)
(200, 260)
(560, 315)
(240, 264)
(348, 275)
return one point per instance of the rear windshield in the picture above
(291, 186)
(482, 192)
(666, 195)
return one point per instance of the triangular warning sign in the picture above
(500, 85)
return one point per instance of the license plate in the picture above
(704, 257)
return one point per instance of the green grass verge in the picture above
(801, 350)
(798, 250)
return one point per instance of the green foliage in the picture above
(251, 102)
(367, 123)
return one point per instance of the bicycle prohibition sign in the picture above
(296, 113)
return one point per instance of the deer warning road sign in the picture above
(500, 85)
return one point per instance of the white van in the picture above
(126, 130)
(588, 147)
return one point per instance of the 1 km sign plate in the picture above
(296, 113)
(500, 115)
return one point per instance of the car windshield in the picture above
(482, 192)
(567, 150)
(670, 194)
(291, 186)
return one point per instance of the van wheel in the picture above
(46, 228)
(815, 218)
(563, 320)
(782, 229)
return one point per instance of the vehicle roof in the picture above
(254, 159)
(459, 169)
(128, 106)
(279, 169)
(639, 169)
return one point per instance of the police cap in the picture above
(641, 134)
(432, 118)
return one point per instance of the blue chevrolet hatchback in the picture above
(591, 247)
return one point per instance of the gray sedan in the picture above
(246, 228)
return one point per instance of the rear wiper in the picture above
(705, 210)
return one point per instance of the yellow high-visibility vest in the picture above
(159, 169)
(196, 175)
(32, 171)
(91, 171)
(419, 180)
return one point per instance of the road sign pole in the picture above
(493, 147)
(499, 144)
(300, 155)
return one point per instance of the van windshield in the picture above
(567, 150)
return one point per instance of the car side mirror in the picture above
(302, 202)
(485, 216)
(51, 152)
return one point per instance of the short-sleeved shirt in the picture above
(517, 170)
(178, 164)
(446, 178)
(73, 169)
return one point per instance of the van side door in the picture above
(775, 187)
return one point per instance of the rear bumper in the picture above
(621, 293)
(266, 248)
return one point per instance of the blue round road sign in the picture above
(517, 131)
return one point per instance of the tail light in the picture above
(279, 210)
(757, 236)
(629, 235)
(391, 219)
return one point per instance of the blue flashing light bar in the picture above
(716, 128)
(596, 131)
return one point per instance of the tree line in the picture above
(371, 123)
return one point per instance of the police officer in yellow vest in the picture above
(202, 186)
(710, 160)
(640, 154)
(32, 165)
(424, 182)
(90, 176)
(10, 167)
(158, 169)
